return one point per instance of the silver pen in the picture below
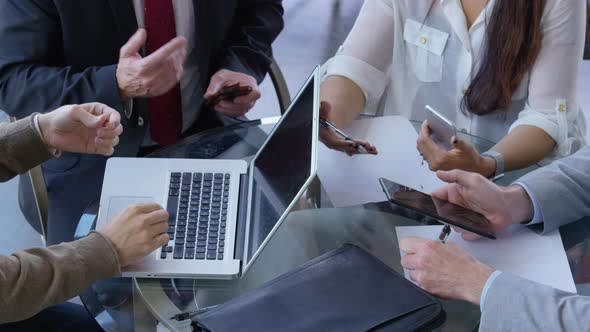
(328, 125)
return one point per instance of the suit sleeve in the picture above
(248, 48)
(34, 279)
(33, 77)
(562, 190)
(515, 304)
(21, 148)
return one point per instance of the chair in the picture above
(37, 180)
(39, 191)
(280, 85)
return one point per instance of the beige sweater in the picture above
(34, 279)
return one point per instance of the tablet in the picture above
(440, 210)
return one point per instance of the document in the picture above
(355, 180)
(519, 250)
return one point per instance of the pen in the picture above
(328, 125)
(444, 234)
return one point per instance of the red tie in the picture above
(165, 110)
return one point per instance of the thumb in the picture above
(134, 44)
(461, 145)
(454, 176)
(89, 120)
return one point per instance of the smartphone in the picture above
(229, 93)
(440, 210)
(442, 129)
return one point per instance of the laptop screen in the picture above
(282, 167)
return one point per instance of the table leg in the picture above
(142, 317)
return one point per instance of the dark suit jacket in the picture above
(56, 52)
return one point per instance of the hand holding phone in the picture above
(442, 129)
(228, 93)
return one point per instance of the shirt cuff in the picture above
(370, 80)
(56, 153)
(538, 214)
(486, 287)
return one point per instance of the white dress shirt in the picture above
(184, 14)
(401, 66)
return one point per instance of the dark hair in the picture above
(513, 42)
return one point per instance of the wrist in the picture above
(487, 166)
(480, 274)
(123, 93)
(519, 205)
(45, 129)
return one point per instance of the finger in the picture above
(460, 177)
(106, 143)
(410, 245)
(231, 109)
(368, 147)
(87, 119)
(468, 236)
(159, 228)
(161, 240)
(442, 193)
(109, 133)
(248, 99)
(425, 129)
(105, 151)
(409, 261)
(134, 44)
(175, 45)
(461, 145)
(148, 207)
(414, 275)
(156, 216)
(114, 119)
(217, 83)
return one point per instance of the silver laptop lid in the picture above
(283, 168)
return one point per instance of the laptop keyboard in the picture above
(198, 205)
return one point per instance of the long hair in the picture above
(512, 44)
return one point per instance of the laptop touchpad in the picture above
(120, 203)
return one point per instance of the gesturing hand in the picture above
(502, 206)
(88, 128)
(240, 105)
(153, 75)
(137, 231)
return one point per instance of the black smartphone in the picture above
(440, 210)
(229, 93)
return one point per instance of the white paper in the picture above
(355, 180)
(520, 251)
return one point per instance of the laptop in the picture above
(222, 212)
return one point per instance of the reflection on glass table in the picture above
(122, 304)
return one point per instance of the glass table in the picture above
(314, 228)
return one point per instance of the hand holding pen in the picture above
(336, 139)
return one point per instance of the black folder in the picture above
(343, 290)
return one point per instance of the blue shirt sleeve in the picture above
(486, 287)
(538, 217)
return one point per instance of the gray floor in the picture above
(311, 35)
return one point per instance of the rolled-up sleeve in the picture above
(366, 55)
(552, 103)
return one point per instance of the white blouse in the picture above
(401, 66)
